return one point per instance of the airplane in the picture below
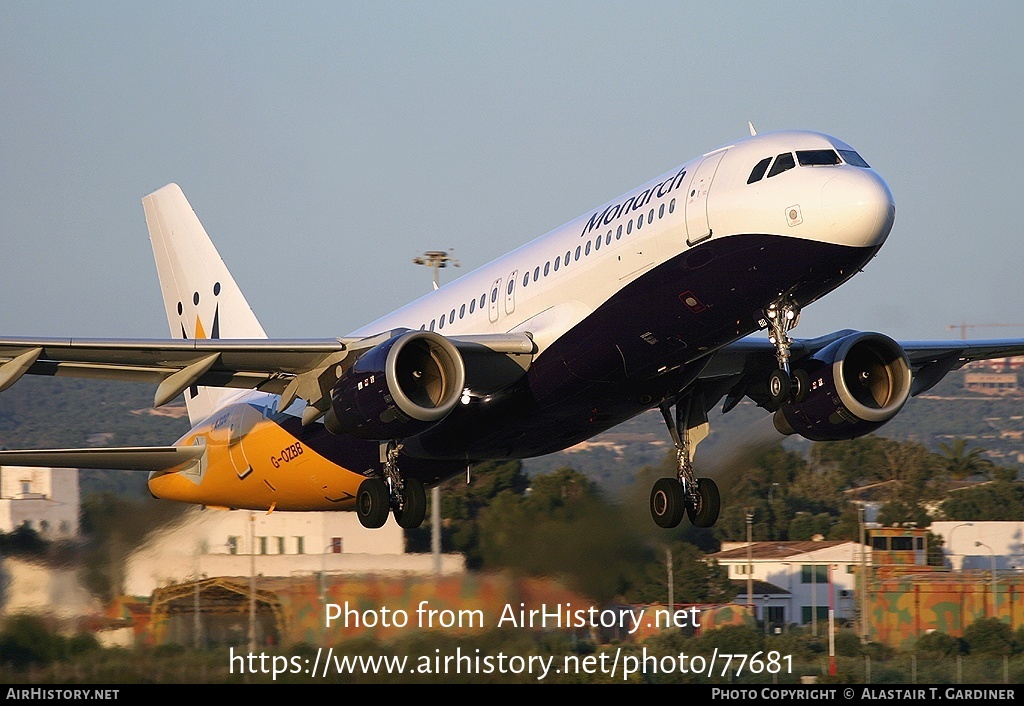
(653, 299)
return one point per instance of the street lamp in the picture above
(951, 550)
(435, 260)
(992, 558)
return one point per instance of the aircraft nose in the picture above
(858, 207)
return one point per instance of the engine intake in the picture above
(855, 385)
(399, 388)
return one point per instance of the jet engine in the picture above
(399, 388)
(847, 389)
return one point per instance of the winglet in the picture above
(753, 132)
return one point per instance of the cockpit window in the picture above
(854, 159)
(817, 158)
(782, 163)
(758, 171)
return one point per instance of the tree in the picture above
(962, 462)
(990, 636)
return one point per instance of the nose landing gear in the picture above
(784, 385)
(697, 498)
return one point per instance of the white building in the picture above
(45, 499)
(791, 580)
(33, 587)
(208, 543)
(975, 545)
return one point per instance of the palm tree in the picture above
(962, 462)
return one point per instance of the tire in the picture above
(372, 503)
(779, 387)
(801, 385)
(414, 506)
(667, 503)
(706, 513)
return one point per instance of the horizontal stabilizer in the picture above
(127, 458)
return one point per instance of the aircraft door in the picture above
(510, 292)
(492, 300)
(698, 227)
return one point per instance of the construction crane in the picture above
(963, 326)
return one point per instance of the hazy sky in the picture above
(323, 145)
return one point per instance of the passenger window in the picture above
(587, 251)
(629, 227)
(483, 300)
(440, 322)
(783, 162)
(526, 279)
(462, 311)
(567, 256)
(640, 222)
(661, 211)
(579, 249)
(536, 274)
(472, 305)
(608, 238)
(431, 324)
(597, 243)
(618, 233)
(451, 317)
(547, 268)
(511, 284)
(558, 261)
(672, 206)
(650, 216)
(494, 295)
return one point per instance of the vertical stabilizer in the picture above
(200, 295)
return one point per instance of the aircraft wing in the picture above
(129, 458)
(306, 368)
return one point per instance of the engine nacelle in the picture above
(399, 388)
(854, 386)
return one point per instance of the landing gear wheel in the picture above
(667, 502)
(779, 387)
(414, 504)
(372, 503)
(801, 385)
(709, 503)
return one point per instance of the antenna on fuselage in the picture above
(753, 132)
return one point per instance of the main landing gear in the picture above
(697, 498)
(784, 385)
(406, 497)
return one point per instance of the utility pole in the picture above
(750, 563)
(252, 582)
(863, 577)
(671, 581)
(436, 260)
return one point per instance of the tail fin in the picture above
(200, 295)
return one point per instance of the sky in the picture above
(325, 144)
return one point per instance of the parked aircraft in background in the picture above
(642, 302)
